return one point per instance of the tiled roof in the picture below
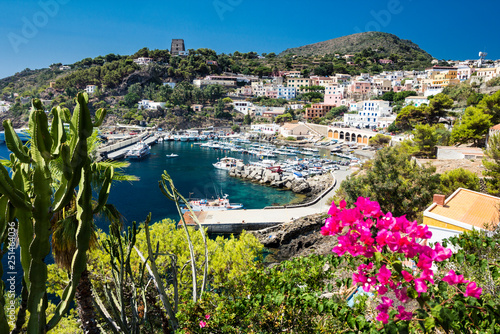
(470, 207)
(496, 127)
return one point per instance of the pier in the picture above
(119, 150)
(235, 221)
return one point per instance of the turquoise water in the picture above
(193, 174)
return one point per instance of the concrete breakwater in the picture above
(265, 176)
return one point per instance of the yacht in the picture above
(226, 163)
(138, 151)
(219, 204)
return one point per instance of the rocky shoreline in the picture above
(310, 187)
(300, 237)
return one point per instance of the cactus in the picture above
(34, 197)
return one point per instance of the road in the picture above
(272, 215)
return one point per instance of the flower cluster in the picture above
(203, 324)
(366, 231)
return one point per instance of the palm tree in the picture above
(64, 227)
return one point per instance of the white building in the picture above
(150, 105)
(416, 101)
(268, 129)
(143, 61)
(243, 106)
(286, 93)
(90, 89)
(4, 106)
(369, 114)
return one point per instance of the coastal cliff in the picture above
(300, 237)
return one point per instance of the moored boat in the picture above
(138, 151)
(219, 204)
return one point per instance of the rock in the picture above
(288, 184)
(300, 237)
(300, 187)
(240, 166)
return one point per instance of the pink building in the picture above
(272, 93)
(361, 87)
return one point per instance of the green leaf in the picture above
(429, 324)
(412, 293)
(14, 144)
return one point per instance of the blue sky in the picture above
(35, 34)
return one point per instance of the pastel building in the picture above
(464, 210)
(416, 101)
(150, 105)
(369, 114)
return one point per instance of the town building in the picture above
(459, 153)
(369, 113)
(286, 93)
(317, 110)
(464, 210)
(150, 105)
(143, 61)
(243, 106)
(90, 89)
(416, 101)
(4, 106)
(267, 129)
(294, 130)
(297, 83)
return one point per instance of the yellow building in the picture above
(297, 83)
(464, 210)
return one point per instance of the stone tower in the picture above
(177, 45)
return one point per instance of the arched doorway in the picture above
(353, 137)
(347, 136)
(365, 140)
(359, 139)
(336, 135)
(341, 135)
(330, 134)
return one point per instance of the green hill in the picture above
(383, 42)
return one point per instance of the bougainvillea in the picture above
(397, 256)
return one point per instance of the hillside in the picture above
(383, 42)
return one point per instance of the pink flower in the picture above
(420, 285)
(386, 304)
(428, 275)
(473, 291)
(207, 316)
(452, 278)
(203, 324)
(384, 275)
(441, 253)
(369, 208)
(401, 294)
(342, 204)
(407, 276)
(424, 262)
(384, 317)
(382, 290)
(403, 315)
(333, 210)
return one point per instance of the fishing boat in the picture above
(219, 204)
(173, 155)
(138, 151)
(226, 163)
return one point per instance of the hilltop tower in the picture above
(177, 46)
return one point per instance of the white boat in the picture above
(219, 204)
(173, 155)
(226, 163)
(138, 151)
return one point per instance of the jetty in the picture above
(119, 150)
(235, 221)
